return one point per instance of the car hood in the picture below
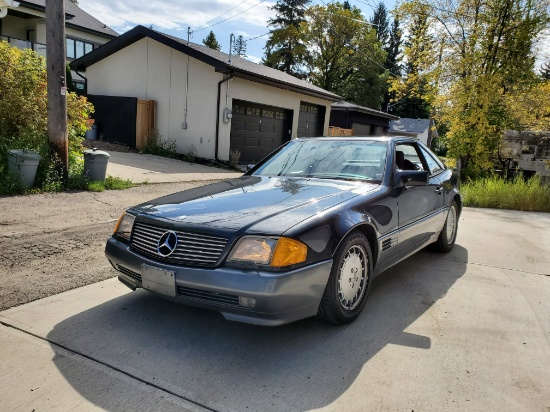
(251, 204)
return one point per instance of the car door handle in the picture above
(439, 190)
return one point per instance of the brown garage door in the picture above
(311, 120)
(257, 130)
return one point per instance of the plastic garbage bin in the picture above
(95, 164)
(24, 162)
(92, 133)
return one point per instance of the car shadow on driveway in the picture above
(229, 366)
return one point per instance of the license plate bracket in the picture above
(158, 280)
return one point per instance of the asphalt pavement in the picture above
(468, 330)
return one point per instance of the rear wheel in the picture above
(446, 240)
(349, 282)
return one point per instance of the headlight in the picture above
(123, 228)
(269, 251)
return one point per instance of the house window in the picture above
(78, 48)
(70, 48)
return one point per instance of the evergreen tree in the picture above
(393, 48)
(239, 48)
(381, 22)
(545, 71)
(284, 49)
(211, 41)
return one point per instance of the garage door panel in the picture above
(251, 126)
(237, 124)
(311, 120)
(257, 130)
(250, 142)
(266, 128)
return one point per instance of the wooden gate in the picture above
(145, 121)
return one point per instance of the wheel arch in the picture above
(369, 232)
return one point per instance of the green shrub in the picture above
(116, 183)
(23, 116)
(191, 155)
(96, 186)
(516, 194)
(11, 184)
(156, 145)
(234, 156)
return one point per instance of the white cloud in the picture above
(176, 14)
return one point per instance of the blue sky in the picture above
(223, 17)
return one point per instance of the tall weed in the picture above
(516, 194)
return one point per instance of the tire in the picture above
(349, 282)
(446, 240)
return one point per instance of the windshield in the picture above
(326, 159)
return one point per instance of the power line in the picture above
(257, 37)
(217, 17)
(235, 15)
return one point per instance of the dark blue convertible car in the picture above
(303, 233)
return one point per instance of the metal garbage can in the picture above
(25, 163)
(95, 164)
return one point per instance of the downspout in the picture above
(218, 117)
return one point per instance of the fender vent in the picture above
(387, 243)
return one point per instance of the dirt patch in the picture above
(50, 243)
(107, 146)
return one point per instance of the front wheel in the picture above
(446, 240)
(349, 282)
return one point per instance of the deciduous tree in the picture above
(484, 52)
(345, 56)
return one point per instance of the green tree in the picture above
(381, 22)
(545, 71)
(392, 64)
(345, 56)
(414, 92)
(239, 48)
(285, 49)
(211, 41)
(485, 52)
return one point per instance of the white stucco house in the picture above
(424, 130)
(24, 27)
(206, 98)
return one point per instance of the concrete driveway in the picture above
(141, 168)
(469, 330)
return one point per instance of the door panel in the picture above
(419, 206)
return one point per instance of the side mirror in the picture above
(413, 178)
(249, 166)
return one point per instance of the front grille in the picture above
(130, 273)
(209, 297)
(192, 249)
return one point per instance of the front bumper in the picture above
(280, 298)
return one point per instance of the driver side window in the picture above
(407, 158)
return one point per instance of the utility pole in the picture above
(57, 89)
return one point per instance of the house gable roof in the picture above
(419, 126)
(220, 61)
(76, 18)
(347, 106)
